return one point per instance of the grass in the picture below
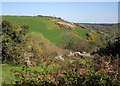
(8, 78)
(82, 32)
(49, 29)
(6, 75)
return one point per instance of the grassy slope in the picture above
(48, 28)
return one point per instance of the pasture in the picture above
(49, 29)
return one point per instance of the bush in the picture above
(90, 36)
(12, 38)
(72, 74)
(63, 78)
(111, 49)
(75, 43)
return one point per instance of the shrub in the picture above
(75, 43)
(111, 49)
(72, 74)
(90, 36)
(63, 78)
(12, 38)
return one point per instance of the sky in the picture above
(79, 12)
(60, 0)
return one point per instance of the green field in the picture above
(49, 29)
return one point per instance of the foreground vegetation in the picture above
(79, 72)
(29, 56)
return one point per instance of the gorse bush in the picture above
(64, 77)
(12, 37)
(112, 48)
(90, 36)
(72, 74)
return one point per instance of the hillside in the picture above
(30, 54)
(108, 28)
(52, 28)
